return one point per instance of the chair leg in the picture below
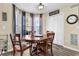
(13, 52)
(21, 54)
(51, 50)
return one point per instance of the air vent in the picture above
(54, 12)
(74, 39)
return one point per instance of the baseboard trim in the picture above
(71, 48)
(68, 47)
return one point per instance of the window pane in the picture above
(37, 24)
(28, 23)
(18, 15)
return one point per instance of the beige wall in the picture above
(6, 27)
(70, 28)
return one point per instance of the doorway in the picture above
(56, 23)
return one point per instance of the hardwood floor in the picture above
(61, 51)
(57, 51)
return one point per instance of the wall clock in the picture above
(72, 19)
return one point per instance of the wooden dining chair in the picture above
(17, 44)
(50, 36)
(49, 42)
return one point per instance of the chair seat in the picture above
(49, 43)
(24, 47)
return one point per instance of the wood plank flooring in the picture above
(57, 51)
(61, 51)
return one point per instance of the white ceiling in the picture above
(32, 7)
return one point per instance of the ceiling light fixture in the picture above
(40, 6)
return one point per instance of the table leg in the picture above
(46, 50)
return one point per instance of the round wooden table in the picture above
(38, 40)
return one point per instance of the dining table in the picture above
(37, 39)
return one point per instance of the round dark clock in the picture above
(72, 19)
